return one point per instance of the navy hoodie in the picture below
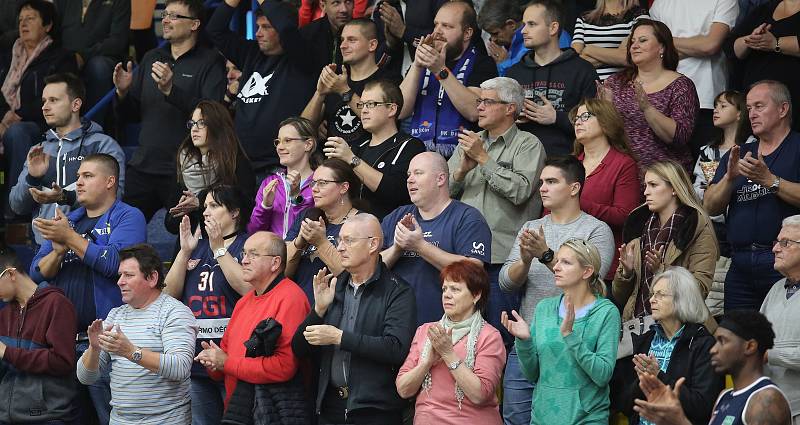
(564, 81)
(273, 87)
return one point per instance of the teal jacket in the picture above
(571, 373)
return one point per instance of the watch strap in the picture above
(454, 365)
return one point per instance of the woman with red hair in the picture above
(458, 361)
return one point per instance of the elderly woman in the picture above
(657, 104)
(34, 56)
(612, 188)
(207, 276)
(458, 362)
(676, 346)
(570, 349)
(670, 229)
(311, 238)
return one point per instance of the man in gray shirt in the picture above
(531, 260)
(496, 171)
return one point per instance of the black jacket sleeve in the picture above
(117, 39)
(300, 347)
(398, 331)
(232, 46)
(127, 110)
(284, 20)
(697, 398)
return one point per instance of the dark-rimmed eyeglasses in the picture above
(349, 240)
(784, 243)
(201, 124)
(322, 183)
(584, 117)
(173, 16)
(287, 140)
(372, 104)
(489, 102)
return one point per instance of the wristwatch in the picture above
(136, 357)
(454, 365)
(777, 44)
(547, 256)
(775, 184)
(355, 161)
(346, 96)
(443, 74)
(220, 252)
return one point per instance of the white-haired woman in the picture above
(676, 346)
(570, 349)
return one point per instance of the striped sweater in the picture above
(609, 31)
(139, 396)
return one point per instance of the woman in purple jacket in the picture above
(284, 195)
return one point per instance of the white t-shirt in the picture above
(690, 18)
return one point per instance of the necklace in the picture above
(344, 218)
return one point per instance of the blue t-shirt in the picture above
(207, 293)
(460, 229)
(310, 263)
(754, 211)
(75, 277)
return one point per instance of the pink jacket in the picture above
(280, 217)
(439, 405)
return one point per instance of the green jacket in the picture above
(571, 373)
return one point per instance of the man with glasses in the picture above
(529, 266)
(273, 296)
(278, 75)
(359, 332)
(381, 162)
(162, 94)
(37, 349)
(782, 309)
(496, 171)
(757, 185)
(339, 88)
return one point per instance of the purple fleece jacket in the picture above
(280, 217)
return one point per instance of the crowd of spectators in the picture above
(390, 212)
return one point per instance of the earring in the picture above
(341, 200)
(661, 55)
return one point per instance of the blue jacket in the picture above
(119, 227)
(517, 50)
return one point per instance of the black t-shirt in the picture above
(344, 122)
(484, 69)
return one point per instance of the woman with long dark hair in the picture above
(658, 105)
(210, 155)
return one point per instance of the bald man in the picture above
(359, 331)
(273, 296)
(433, 232)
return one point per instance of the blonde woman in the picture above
(670, 229)
(570, 349)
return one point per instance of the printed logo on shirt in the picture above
(426, 235)
(554, 93)
(751, 191)
(346, 121)
(255, 88)
(478, 248)
(192, 263)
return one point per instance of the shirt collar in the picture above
(509, 134)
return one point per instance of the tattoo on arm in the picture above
(768, 407)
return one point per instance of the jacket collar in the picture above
(687, 231)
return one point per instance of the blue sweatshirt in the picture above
(119, 227)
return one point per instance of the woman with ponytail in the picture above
(570, 349)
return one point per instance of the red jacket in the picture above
(287, 304)
(310, 11)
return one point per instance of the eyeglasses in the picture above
(201, 124)
(784, 243)
(372, 104)
(322, 183)
(173, 16)
(287, 140)
(4, 271)
(584, 117)
(255, 256)
(489, 102)
(658, 295)
(348, 240)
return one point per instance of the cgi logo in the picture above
(478, 248)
